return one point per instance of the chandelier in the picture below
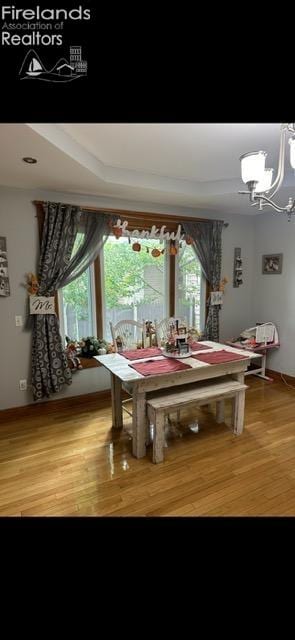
(259, 179)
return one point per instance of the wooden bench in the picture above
(199, 394)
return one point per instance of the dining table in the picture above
(147, 370)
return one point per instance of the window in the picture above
(128, 284)
(76, 303)
(135, 283)
(190, 286)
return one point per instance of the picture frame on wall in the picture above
(4, 278)
(272, 263)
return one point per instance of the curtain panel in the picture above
(57, 268)
(207, 245)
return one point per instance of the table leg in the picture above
(238, 412)
(238, 405)
(240, 377)
(116, 389)
(261, 371)
(139, 424)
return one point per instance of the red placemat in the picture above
(138, 354)
(198, 346)
(155, 367)
(219, 356)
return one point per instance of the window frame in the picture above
(93, 305)
(203, 297)
(136, 220)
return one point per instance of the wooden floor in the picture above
(70, 462)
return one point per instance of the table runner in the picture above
(138, 354)
(220, 356)
(155, 367)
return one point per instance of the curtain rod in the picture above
(122, 212)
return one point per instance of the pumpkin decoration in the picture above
(173, 249)
(136, 246)
(188, 240)
(117, 231)
(156, 253)
(222, 284)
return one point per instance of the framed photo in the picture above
(272, 263)
(4, 278)
(183, 347)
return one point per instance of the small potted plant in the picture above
(92, 346)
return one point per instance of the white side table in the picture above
(260, 351)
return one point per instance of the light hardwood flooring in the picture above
(69, 462)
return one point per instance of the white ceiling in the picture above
(192, 165)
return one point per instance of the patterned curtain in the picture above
(57, 267)
(206, 238)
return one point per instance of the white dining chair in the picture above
(127, 334)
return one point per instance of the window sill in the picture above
(89, 363)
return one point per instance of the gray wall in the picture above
(274, 294)
(18, 223)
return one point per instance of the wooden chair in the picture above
(129, 334)
(162, 329)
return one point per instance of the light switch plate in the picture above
(18, 321)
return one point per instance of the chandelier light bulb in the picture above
(265, 183)
(253, 166)
(292, 152)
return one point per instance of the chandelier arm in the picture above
(271, 204)
(281, 167)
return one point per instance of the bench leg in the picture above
(220, 411)
(159, 437)
(238, 412)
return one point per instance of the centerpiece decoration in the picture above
(177, 344)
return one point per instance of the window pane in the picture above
(190, 289)
(76, 304)
(135, 282)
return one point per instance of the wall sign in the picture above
(120, 228)
(216, 297)
(4, 280)
(40, 304)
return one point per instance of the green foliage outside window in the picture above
(125, 277)
(124, 272)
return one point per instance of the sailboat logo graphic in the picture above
(33, 68)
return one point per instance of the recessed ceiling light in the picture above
(30, 160)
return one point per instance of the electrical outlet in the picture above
(23, 385)
(18, 321)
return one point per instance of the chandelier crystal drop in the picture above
(259, 179)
